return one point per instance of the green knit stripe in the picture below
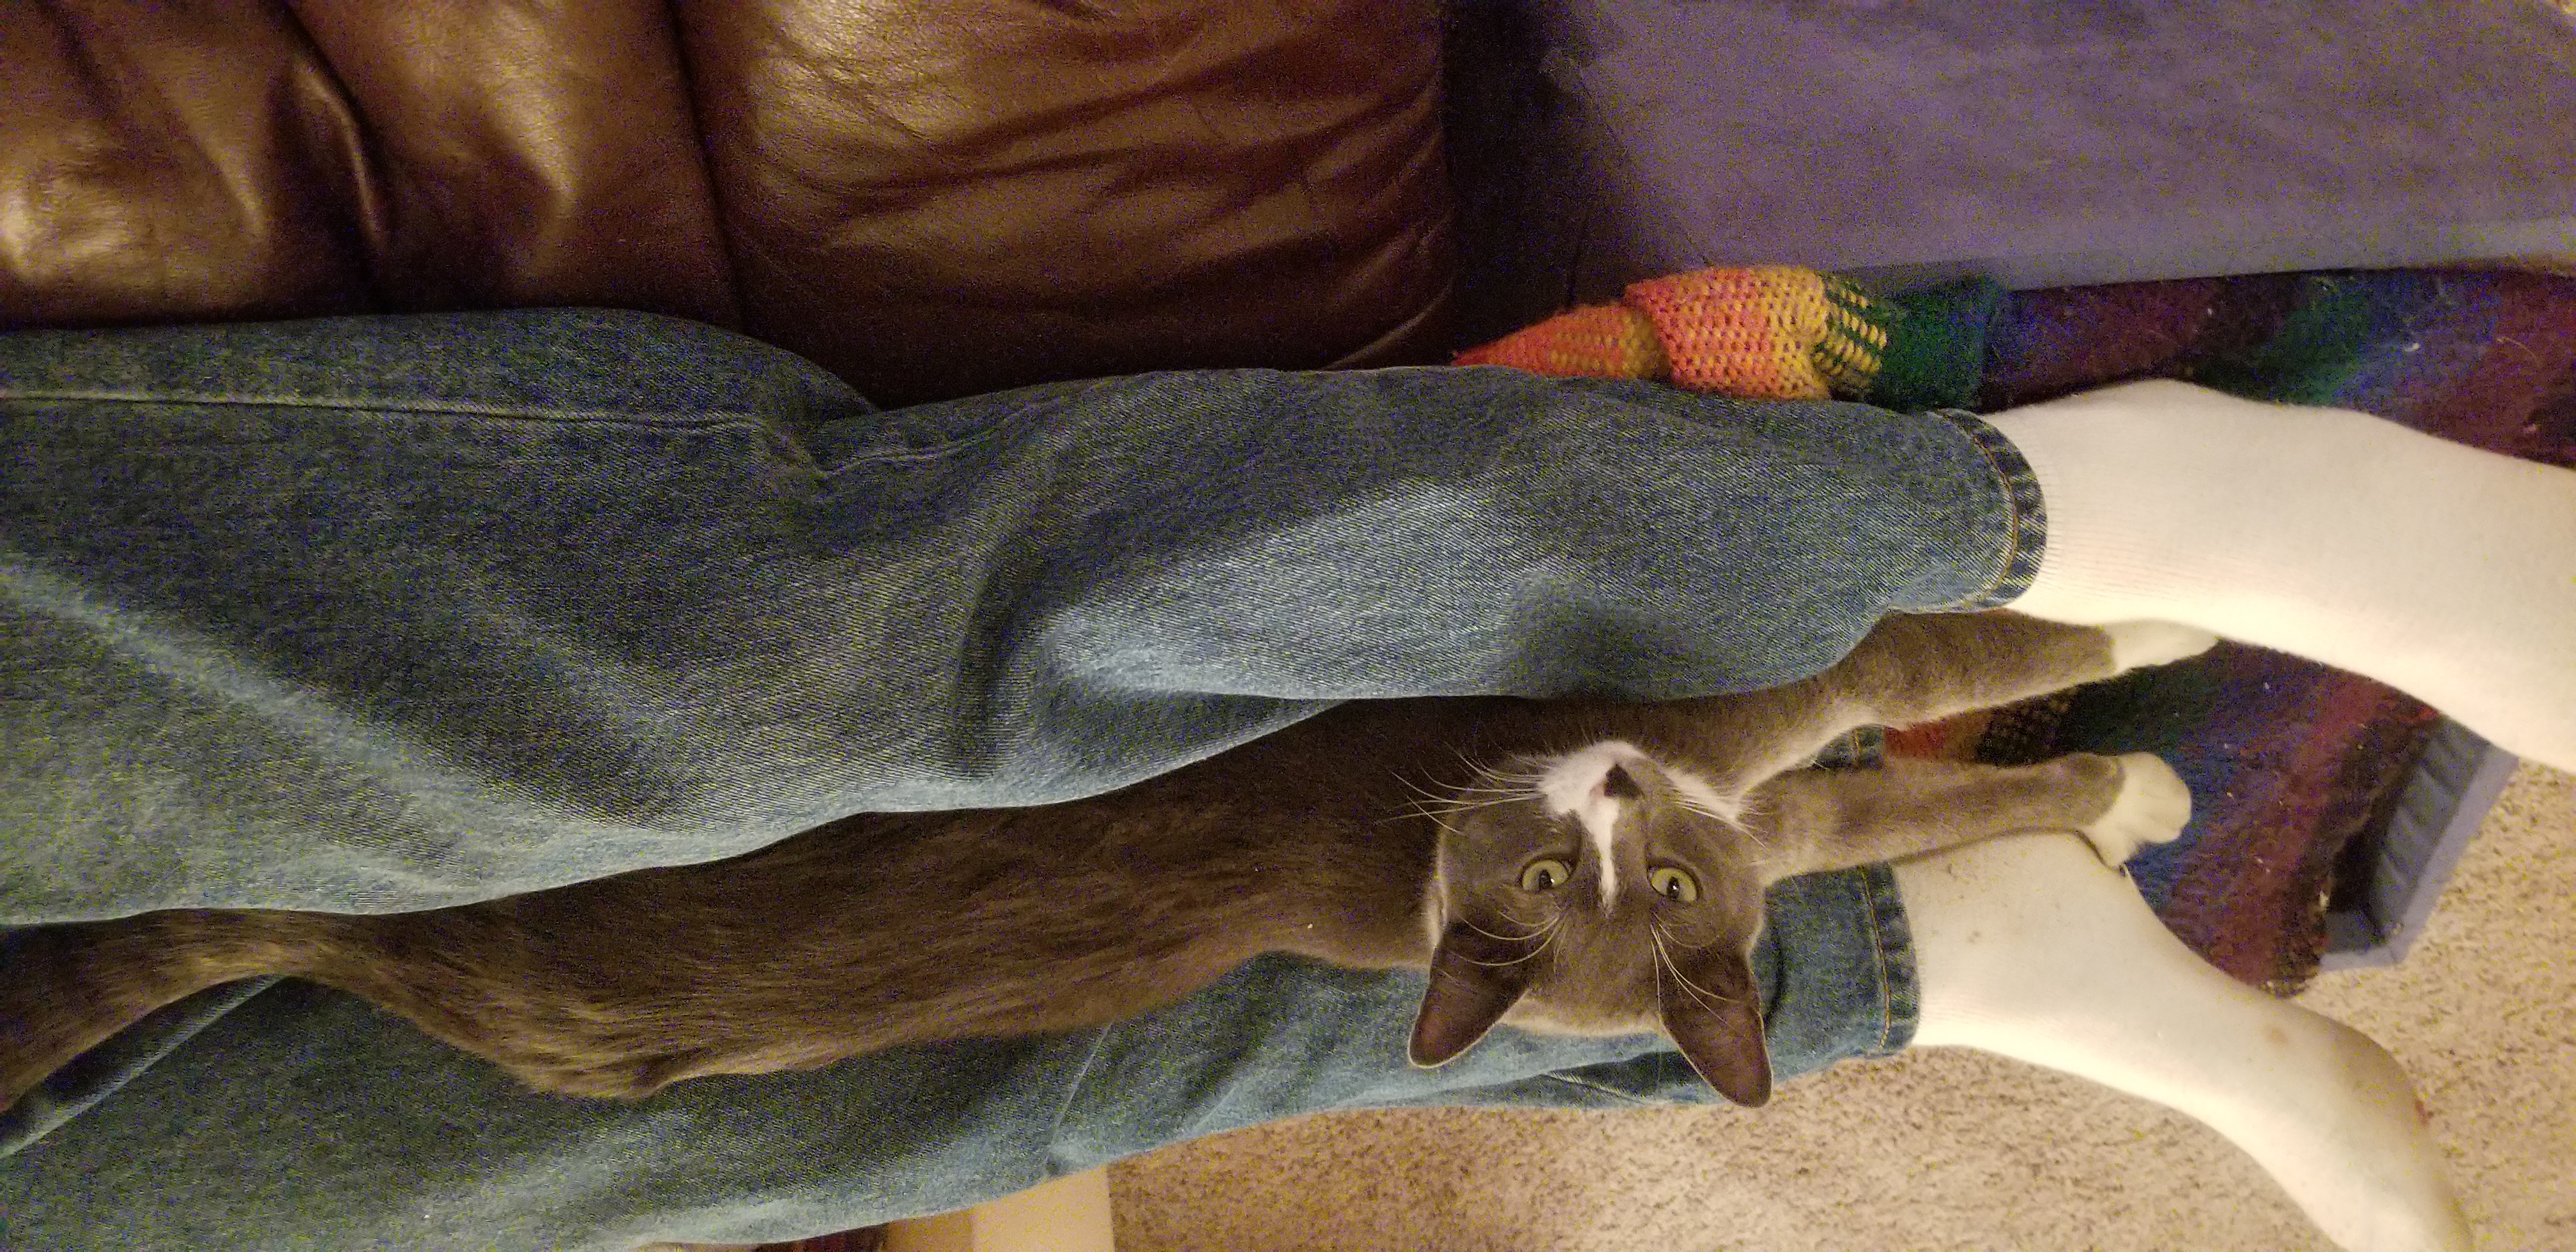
(1936, 345)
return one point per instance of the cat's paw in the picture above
(2152, 806)
(2135, 644)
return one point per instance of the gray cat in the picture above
(1566, 866)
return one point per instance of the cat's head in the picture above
(1599, 892)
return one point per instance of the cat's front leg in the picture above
(1915, 669)
(1832, 819)
(1910, 669)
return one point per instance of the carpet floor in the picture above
(1949, 1150)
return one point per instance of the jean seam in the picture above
(1598, 1089)
(992, 430)
(2026, 528)
(388, 407)
(1072, 1092)
(947, 449)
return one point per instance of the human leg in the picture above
(367, 636)
(2028, 947)
(385, 613)
(2445, 571)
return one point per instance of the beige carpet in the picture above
(1949, 1150)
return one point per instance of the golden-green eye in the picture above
(1672, 884)
(1546, 874)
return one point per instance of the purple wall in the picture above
(2043, 141)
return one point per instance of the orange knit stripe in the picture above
(1597, 341)
(1742, 332)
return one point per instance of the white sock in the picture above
(2444, 571)
(2028, 947)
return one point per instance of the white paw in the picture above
(2155, 643)
(2152, 806)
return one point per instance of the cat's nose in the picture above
(1618, 785)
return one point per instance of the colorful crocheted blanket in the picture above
(1773, 333)
(2290, 761)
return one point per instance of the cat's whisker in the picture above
(1767, 843)
(1523, 770)
(1522, 959)
(1459, 800)
(1427, 793)
(1538, 942)
(1736, 812)
(1443, 801)
(1490, 781)
(1732, 814)
(1664, 962)
(1484, 799)
(1490, 787)
(1541, 932)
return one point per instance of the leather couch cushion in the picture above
(235, 159)
(931, 197)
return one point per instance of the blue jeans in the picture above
(388, 613)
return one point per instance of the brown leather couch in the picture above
(930, 197)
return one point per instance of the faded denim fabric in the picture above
(387, 613)
(306, 1119)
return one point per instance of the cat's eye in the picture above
(1672, 884)
(1545, 874)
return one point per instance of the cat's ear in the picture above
(1716, 1020)
(1475, 979)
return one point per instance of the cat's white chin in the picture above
(1539, 1018)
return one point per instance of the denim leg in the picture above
(305, 1119)
(390, 613)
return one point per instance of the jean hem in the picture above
(1892, 944)
(2026, 523)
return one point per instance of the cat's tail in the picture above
(68, 988)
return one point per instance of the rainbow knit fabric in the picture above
(1770, 332)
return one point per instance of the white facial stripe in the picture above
(1578, 785)
(1601, 829)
